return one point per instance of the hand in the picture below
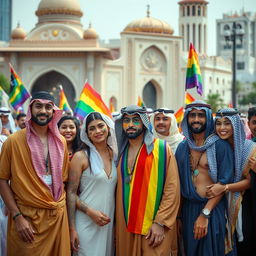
(200, 227)
(98, 217)
(155, 235)
(252, 163)
(214, 190)
(6, 132)
(24, 229)
(74, 240)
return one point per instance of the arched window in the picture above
(188, 10)
(184, 11)
(193, 10)
(226, 27)
(150, 95)
(199, 10)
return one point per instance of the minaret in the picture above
(193, 24)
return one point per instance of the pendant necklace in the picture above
(194, 169)
(128, 178)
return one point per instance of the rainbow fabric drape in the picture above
(193, 76)
(90, 101)
(142, 196)
(18, 93)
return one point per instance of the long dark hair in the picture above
(76, 144)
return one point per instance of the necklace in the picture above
(128, 178)
(193, 166)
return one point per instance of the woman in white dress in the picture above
(93, 177)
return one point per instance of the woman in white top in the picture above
(93, 176)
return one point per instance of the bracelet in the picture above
(161, 225)
(226, 188)
(16, 215)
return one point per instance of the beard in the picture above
(41, 123)
(197, 130)
(133, 135)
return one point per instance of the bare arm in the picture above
(78, 163)
(22, 225)
(218, 189)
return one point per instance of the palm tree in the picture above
(215, 101)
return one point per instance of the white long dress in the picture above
(98, 192)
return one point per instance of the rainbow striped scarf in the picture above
(142, 196)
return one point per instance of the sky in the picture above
(110, 17)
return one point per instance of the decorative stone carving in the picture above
(152, 60)
(55, 34)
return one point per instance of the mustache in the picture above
(196, 123)
(45, 115)
(131, 129)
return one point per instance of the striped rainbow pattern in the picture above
(64, 102)
(18, 94)
(189, 98)
(142, 197)
(140, 102)
(90, 101)
(193, 76)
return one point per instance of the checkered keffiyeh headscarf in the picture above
(121, 137)
(242, 146)
(210, 139)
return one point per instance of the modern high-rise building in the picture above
(245, 23)
(5, 19)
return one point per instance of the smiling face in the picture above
(224, 128)
(97, 131)
(68, 130)
(252, 125)
(162, 124)
(42, 113)
(132, 126)
(197, 121)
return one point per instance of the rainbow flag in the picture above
(111, 105)
(189, 98)
(193, 76)
(179, 115)
(64, 102)
(18, 93)
(90, 101)
(140, 102)
(142, 192)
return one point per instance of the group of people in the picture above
(133, 186)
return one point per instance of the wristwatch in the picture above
(206, 213)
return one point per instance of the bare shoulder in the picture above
(79, 161)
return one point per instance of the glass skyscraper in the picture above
(5, 19)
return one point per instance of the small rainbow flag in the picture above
(179, 115)
(140, 102)
(189, 98)
(90, 101)
(64, 102)
(18, 93)
(111, 105)
(193, 76)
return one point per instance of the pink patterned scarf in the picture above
(55, 147)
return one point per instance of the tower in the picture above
(5, 19)
(193, 24)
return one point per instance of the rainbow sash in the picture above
(142, 196)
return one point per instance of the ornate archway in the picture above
(51, 81)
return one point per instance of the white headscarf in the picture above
(95, 158)
(11, 124)
(174, 137)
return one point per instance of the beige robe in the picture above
(47, 217)
(130, 244)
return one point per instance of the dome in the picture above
(149, 25)
(59, 7)
(18, 33)
(90, 33)
(192, 2)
